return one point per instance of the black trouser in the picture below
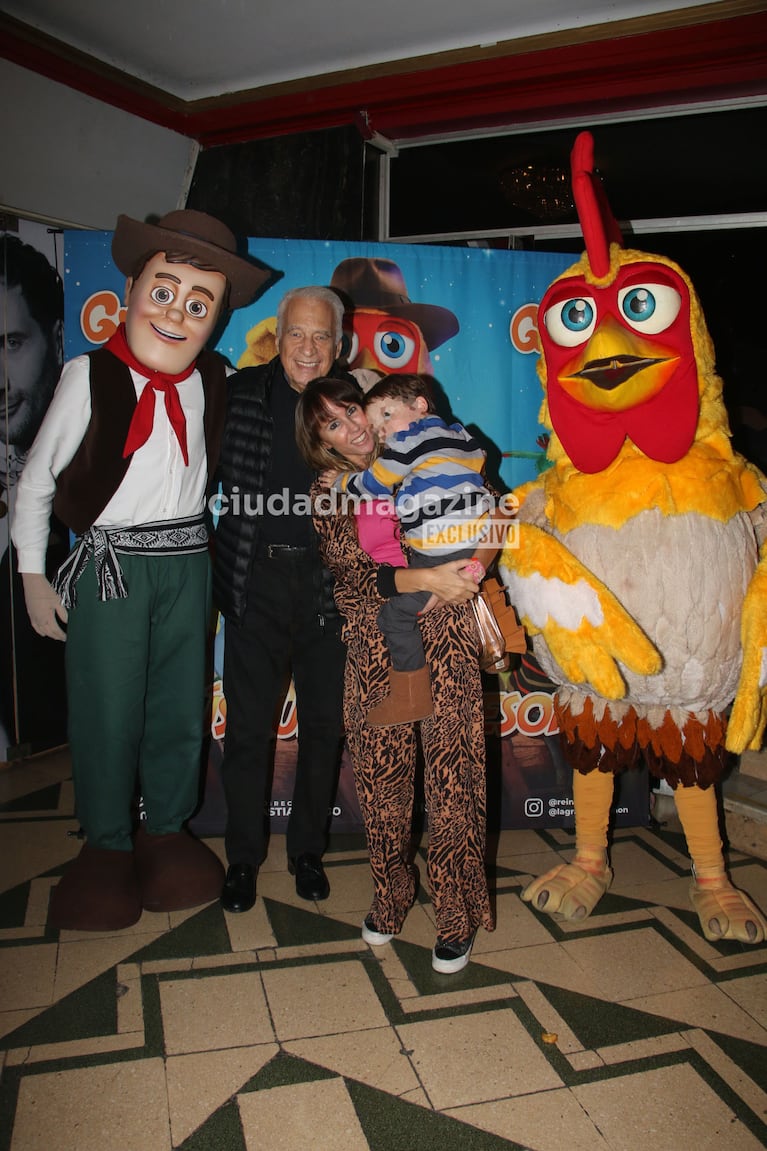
(281, 631)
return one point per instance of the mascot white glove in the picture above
(44, 607)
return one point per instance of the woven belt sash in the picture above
(165, 538)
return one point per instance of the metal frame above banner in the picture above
(537, 138)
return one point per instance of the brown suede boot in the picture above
(176, 871)
(409, 699)
(99, 891)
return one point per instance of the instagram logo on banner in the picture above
(533, 808)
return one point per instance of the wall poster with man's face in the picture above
(32, 692)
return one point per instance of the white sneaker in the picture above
(373, 937)
(448, 958)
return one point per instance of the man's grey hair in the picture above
(327, 295)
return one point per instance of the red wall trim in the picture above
(717, 60)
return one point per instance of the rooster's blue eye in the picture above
(577, 315)
(571, 322)
(650, 308)
(638, 304)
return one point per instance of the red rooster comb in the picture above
(598, 224)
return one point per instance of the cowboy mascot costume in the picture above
(123, 457)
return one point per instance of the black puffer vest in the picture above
(244, 463)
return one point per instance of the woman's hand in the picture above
(448, 583)
(328, 477)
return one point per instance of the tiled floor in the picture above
(280, 1030)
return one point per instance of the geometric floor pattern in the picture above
(281, 1030)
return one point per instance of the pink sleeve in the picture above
(378, 532)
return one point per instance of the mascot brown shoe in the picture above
(176, 871)
(99, 891)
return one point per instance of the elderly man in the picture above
(278, 604)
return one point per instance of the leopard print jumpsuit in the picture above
(384, 758)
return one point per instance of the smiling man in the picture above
(32, 308)
(123, 457)
(277, 601)
(32, 697)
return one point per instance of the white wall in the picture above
(76, 161)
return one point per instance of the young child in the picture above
(434, 471)
(123, 456)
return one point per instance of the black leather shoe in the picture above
(239, 890)
(311, 880)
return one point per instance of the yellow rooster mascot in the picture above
(638, 570)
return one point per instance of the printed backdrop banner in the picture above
(465, 316)
(487, 369)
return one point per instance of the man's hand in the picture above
(45, 610)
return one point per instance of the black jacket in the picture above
(244, 463)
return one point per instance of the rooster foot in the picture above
(568, 889)
(726, 913)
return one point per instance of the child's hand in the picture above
(327, 477)
(474, 570)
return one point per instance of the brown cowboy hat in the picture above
(379, 284)
(194, 234)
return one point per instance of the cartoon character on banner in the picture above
(384, 331)
(640, 570)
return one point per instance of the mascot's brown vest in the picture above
(89, 481)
